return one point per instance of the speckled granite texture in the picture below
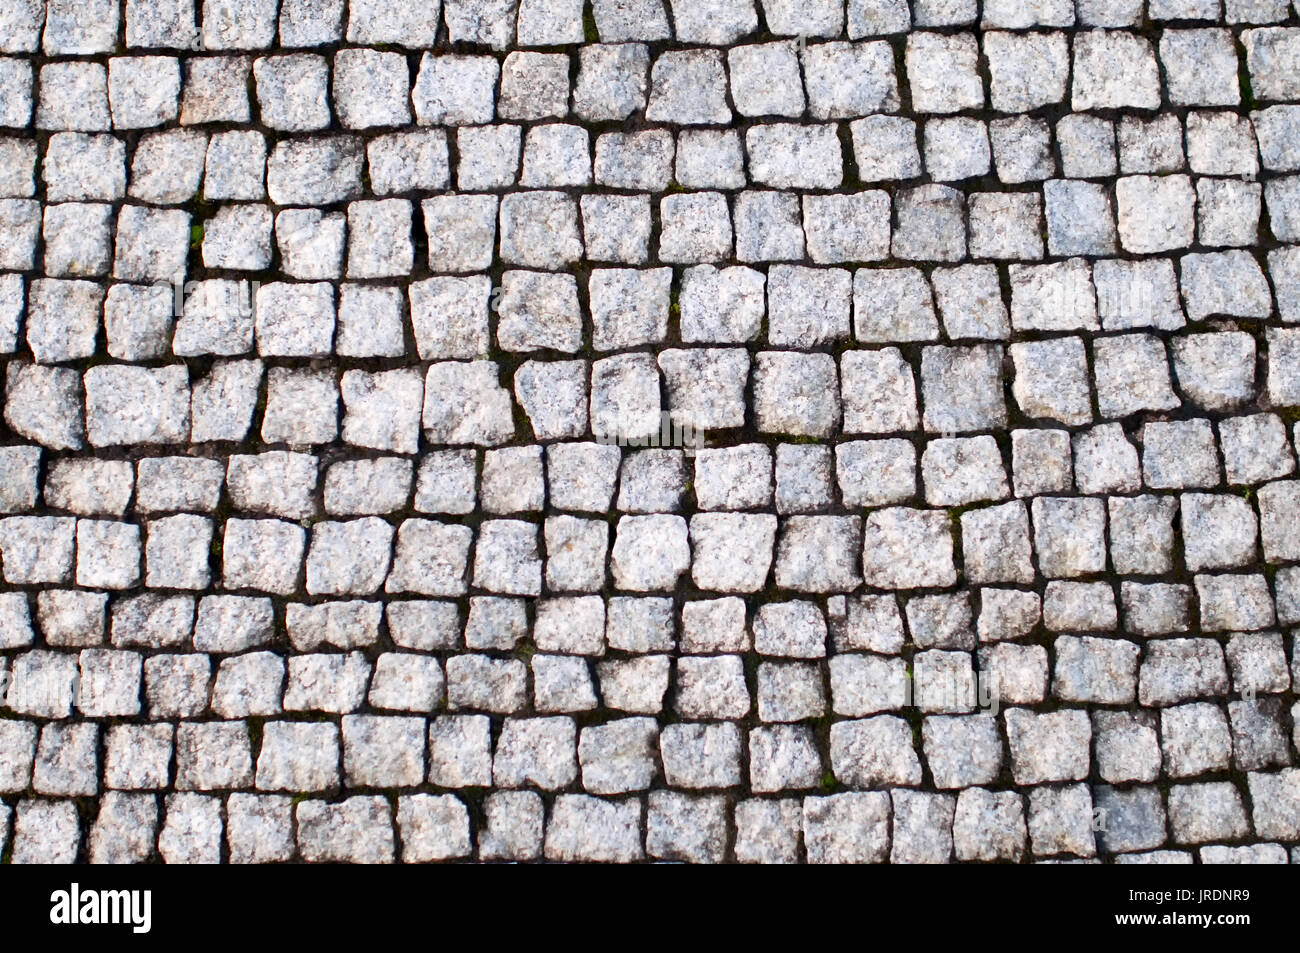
(629, 430)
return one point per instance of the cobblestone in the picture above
(706, 431)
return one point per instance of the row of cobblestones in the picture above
(627, 430)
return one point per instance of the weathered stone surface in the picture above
(692, 431)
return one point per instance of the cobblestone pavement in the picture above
(706, 430)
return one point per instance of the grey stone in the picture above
(259, 828)
(784, 155)
(1048, 747)
(584, 828)
(72, 618)
(1174, 670)
(424, 625)
(1206, 812)
(930, 224)
(1201, 66)
(539, 230)
(765, 80)
(213, 756)
(177, 685)
(326, 682)
(891, 304)
(464, 403)
(941, 71)
(356, 830)
(460, 752)
(1105, 461)
(721, 305)
(370, 88)
(45, 832)
(298, 756)
(192, 829)
(713, 22)
(1202, 278)
(847, 828)
(562, 684)
(686, 828)
(314, 171)
(989, 825)
(959, 471)
(1179, 454)
(1061, 821)
(873, 86)
(74, 96)
(884, 148)
(489, 156)
(232, 623)
(1114, 70)
(907, 548)
(612, 78)
(619, 756)
(63, 319)
(310, 22)
(874, 752)
(1127, 746)
(962, 750)
(1095, 670)
(1234, 602)
(138, 321)
(768, 831)
(695, 227)
(962, 388)
(1155, 213)
(538, 751)
(461, 231)
(433, 828)
(403, 161)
